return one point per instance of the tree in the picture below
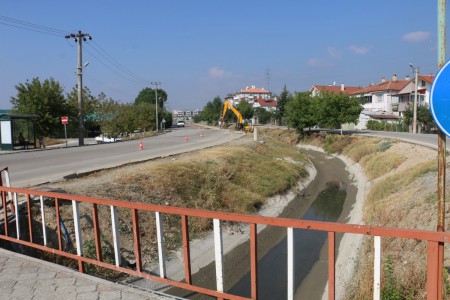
(212, 110)
(284, 98)
(335, 109)
(263, 115)
(44, 99)
(245, 109)
(144, 115)
(90, 104)
(300, 112)
(148, 95)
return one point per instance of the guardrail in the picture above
(34, 201)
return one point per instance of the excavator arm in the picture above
(227, 105)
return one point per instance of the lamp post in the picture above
(156, 101)
(416, 76)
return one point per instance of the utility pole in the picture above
(156, 101)
(416, 79)
(79, 38)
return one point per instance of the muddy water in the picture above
(330, 194)
(329, 197)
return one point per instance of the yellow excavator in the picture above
(226, 106)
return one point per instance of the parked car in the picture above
(102, 138)
(180, 123)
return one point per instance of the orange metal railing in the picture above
(433, 239)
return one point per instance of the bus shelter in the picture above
(17, 131)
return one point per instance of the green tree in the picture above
(90, 104)
(263, 115)
(245, 109)
(145, 116)
(148, 95)
(284, 98)
(44, 99)
(335, 109)
(212, 110)
(301, 112)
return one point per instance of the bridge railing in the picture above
(32, 204)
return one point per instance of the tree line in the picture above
(47, 100)
(298, 110)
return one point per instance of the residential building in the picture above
(407, 94)
(317, 89)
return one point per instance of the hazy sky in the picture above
(202, 49)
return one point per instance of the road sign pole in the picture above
(65, 132)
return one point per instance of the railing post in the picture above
(77, 228)
(161, 253)
(115, 231)
(218, 250)
(58, 223)
(432, 271)
(186, 249)
(253, 260)
(331, 266)
(98, 245)
(5, 211)
(16, 211)
(137, 239)
(290, 263)
(44, 230)
(376, 267)
(30, 219)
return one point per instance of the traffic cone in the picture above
(141, 147)
(186, 138)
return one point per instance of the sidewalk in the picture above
(23, 277)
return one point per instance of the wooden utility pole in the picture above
(156, 101)
(79, 38)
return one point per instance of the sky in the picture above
(202, 49)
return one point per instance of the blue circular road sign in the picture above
(440, 99)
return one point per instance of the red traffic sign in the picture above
(65, 120)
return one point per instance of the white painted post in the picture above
(16, 208)
(8, 184)
(377, 267)
(290, 263)
(218, 250)
(77, 228)
(44, 231)
(255, 133)
(115, 231)
(161, 254)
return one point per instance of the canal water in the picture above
(329, 197)
(332, 192)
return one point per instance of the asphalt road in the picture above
(33, 167)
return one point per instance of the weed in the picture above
(384, 145)
(391, 289)
(380, 163)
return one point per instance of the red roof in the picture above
(389, 85)
(266, 103)
(252, 90)
(336, 89)
(427, 78)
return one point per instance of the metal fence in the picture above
(32, 202)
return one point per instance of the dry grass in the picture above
(360, 148)
(238, 177)
(377, 164)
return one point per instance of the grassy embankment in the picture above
(237, 177)
(402, 194)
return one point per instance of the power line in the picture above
(110, 68)
(31, 27)
(111, 59)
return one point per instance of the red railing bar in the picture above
(432, 271)
(30, 219)
(137, 240)
(58, 223)
(331, 266)
(282, 222)
(5, 211)
(253, 261)
(440, 267)
(98, 244)
(128, 271)
(186, 249)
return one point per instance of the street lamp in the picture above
(416, 71)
